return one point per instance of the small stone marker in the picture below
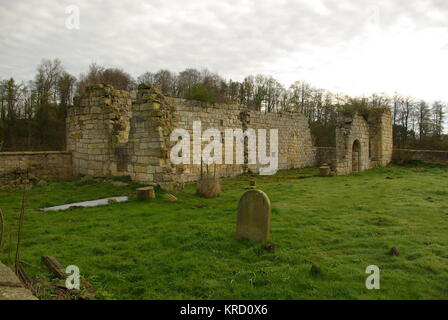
(119, 183)
(146, 193)
(252, 184)
(41, 183)
(269, 247)
(324, 170)
(254, 216)
(315, 269)
(394, 251)
(170, 197)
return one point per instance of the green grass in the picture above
(186, 250)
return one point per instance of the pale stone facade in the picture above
(295, 148)
(111, 135)
(96, 128)
(362, 144)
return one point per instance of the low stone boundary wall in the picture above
(328, 154)
(435, 156)
(55, 165)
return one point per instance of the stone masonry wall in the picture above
(43, 164)
(368, 144)
(110, 135)
(217, 116)
(401, 156)
(149, 145)
(97, 131)
(295, 147)
(154, 116)
(385, 138)
(325, 155)
(348, 131)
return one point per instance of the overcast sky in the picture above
(350, 46)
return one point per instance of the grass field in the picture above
(186, 249)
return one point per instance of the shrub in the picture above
(208, 186)
(200, 92)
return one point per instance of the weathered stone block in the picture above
(146, 193)
(324, 171)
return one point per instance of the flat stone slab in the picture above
(93, 203)
(9, 286)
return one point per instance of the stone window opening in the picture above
(179, 153)
(356, 156)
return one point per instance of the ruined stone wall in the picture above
(218, 116)
(385, 138)
(362, 144)
(55, 165)
(295, 147)
(149, 143)
(97, 131)
(402, 156)
(325, 155)
(110, 136)
(349, 130)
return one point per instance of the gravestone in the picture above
(254, 216)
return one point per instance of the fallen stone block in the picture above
(146, 193)
(169, 197)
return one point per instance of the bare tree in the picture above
(438, 117)
(48, 73)
(423, 119)
(117, 78)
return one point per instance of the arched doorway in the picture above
(356, 156)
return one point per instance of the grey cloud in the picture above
(234, 38)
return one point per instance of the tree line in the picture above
(32, 113)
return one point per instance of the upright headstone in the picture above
(254, 216)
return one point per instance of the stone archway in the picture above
(356, 156)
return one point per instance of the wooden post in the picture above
(54, 266)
